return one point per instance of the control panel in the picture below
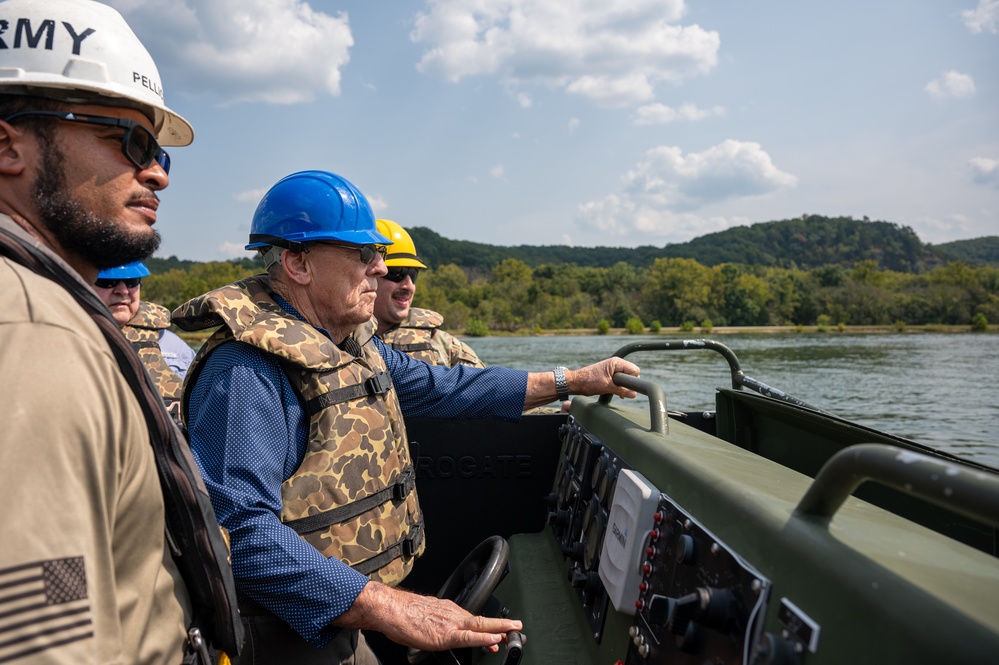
(698, 602)
(579, 507)
(631, 549)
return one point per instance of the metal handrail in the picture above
(658, 421)
(963, 489)
(739, 379)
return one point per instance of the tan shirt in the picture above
(83, 525)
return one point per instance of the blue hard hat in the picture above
(310, 206)
(127, 271)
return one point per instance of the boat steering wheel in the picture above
(473, 581)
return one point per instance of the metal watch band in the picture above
(561, 386)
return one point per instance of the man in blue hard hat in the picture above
(147, 326)
(294, 410)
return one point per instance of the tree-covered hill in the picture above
(977, 251)
(806, 242)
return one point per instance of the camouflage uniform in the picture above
(353, 496)
(420, 336)
(142, 331)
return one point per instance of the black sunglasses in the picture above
(398, 274)
(137, 143)
(367, 252)
(130, 282)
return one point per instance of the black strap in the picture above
(406, 547)
(379, 384)
(148, 344)
(278, 241)
(408, 348)
(398, 491)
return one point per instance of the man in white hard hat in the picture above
(109, 539)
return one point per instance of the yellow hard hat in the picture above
(402, 253)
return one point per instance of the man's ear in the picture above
(297, 266)
(12, 144)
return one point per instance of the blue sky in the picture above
(582, 122)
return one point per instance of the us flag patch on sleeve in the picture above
(43, 605)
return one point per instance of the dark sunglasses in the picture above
(398, 274)
(130, 282)
(367, 252)
(137, 143)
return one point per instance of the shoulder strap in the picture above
(200, 551)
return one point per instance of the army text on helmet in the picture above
(25, 37)
(82, 51)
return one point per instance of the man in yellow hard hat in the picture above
(412, 330)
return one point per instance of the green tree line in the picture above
(679, 291)
(672, 291)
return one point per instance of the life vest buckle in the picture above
(412, 542)
(406, 483)
(379, 384)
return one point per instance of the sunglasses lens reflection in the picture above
(131, 283)
(399, 274)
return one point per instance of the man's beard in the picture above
(99, 241)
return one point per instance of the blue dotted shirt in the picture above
(248, 433)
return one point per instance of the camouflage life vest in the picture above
(417, 335)
(142, 331)
(353, 496)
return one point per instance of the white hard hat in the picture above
(83, 51)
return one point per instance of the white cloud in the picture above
(983, 17)
(659, 193)
(985, 171)
(951, 84)
(234, 250)
(275, 51)
(660, 114)
(573, 125)
(378, 204)
(621, 217)
(611, 53)
(497, 171)
(525, 100)
(250, 195)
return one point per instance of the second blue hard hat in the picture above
(127, 271)
(310, 206)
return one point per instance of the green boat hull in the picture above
(782, 535)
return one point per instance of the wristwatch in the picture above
(561, 387)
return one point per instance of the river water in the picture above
(937, 389)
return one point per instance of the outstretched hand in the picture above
(596, 379)
(423, 622)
